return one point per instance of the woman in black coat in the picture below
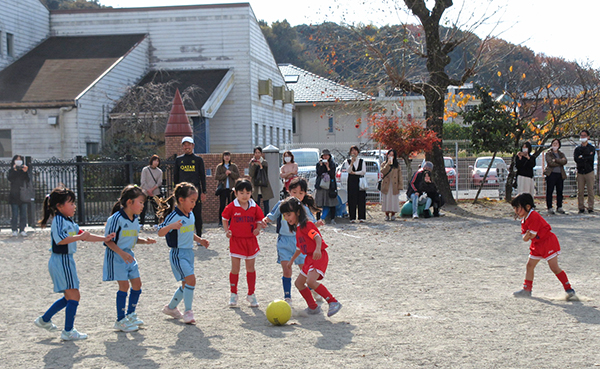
(17, 175)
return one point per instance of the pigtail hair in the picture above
(116, 207)
(311, 203)
(59, 195)
(48, 212)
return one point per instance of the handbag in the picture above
(27, 192)
(220, 189)
(362, 184)
(260, 178)
(325, 181)
(381, 180)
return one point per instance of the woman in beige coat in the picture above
(391, 184)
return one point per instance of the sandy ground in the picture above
(426, 293)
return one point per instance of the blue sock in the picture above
(121, 299)
(188, 296)
(55, 308)
(70, 312)
(287, 287)
(176, 298)
(134, 297)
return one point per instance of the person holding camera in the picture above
(326, 187)
(17, 176)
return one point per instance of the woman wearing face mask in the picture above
(525, 164)
(17, 176)
(289, 169)
(555, 175)
(391, 184)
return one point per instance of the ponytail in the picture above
(58, 196)
(130, 192)
(166, 207)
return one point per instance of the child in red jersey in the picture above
(544, 245)
(242, 221)
(310, 243)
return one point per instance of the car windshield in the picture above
(483, 163)
(449, 163)
(306, 158)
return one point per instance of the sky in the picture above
(545, 26)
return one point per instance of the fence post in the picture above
(31, 205)
(129, 169)
(80, 199)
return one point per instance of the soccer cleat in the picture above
(233, 299)
(560, 210)
(188, 317)
(72, 335)
(175, 313)
(334, 307)
(24, 234)
(125, 326)
(571, 294)
(288, 300)
(49, 326)
(252, 300)
(314, 311)
(522, 293)
(133, 319)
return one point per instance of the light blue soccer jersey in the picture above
(282, 226)
(127, 230)
(63, 227)
(182, 238)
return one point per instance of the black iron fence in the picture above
(97, 184)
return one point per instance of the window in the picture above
(264, 135)
(10, 47)
(289, 136)
(294, 123)
(330, 125)
(5, 143)
(271, 135)
(278, 141)
(256, 134)
(92, 148)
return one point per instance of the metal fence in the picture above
(97, 184)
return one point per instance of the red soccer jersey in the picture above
(242, 222)
(537, 225)
(305, 238)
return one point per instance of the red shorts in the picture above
(243, 247)
(544, 249)
(319, 265)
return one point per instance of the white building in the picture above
(64, 75)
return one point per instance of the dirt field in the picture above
(426, 293)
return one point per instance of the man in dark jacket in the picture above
(415, 188)
(189, 167)
(584, 157)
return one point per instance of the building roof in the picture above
(310, 88)
(59, 69)
(206, 79)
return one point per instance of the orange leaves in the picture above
(405, 138)
(510, 69)
(523, 76)
(499, 74)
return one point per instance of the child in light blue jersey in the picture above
(179, 230)
(119, 261)
(64, 233)
(286, 241)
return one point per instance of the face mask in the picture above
(287, 159)
(555, 148)
(583, 139)
(525, 150)
(391, 157)
(18, 162)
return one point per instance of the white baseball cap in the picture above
(187, 139)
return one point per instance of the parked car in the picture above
(481, 165)
(451, 171)
(380, 155)
(307, 165)
(373, 176)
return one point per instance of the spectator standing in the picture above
(150, 182)
(189, 167)
(584, 157)
(357, 197)
(555, 175)
(326, 187)
(17, 176)
(525, 164)
(289, 169)
(260, 181)
(391, 184)
(226, 174)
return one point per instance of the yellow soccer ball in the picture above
(279, 312)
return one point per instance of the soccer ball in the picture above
(279, 312)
